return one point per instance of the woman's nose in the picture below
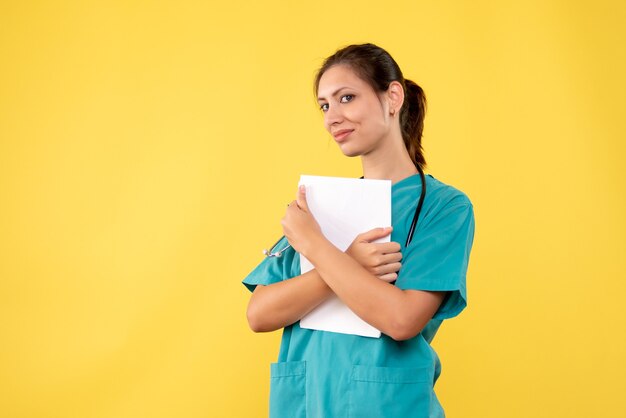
(333, 115)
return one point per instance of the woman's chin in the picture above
(353, 154)
(350, 152)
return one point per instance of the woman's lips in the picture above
(339, 137)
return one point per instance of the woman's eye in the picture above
(344, 99)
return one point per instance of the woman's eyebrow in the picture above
(335, 92)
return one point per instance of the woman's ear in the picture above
(395, 97)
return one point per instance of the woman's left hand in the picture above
(299, 226)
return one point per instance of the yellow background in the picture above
(148, 149)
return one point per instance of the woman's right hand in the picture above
(380, 259)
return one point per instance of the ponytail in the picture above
(412, 122)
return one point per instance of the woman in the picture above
(405, 291)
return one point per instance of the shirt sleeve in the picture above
(438, 256)
(272, 269)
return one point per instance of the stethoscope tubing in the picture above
(418, 209)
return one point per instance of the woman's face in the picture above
(354, 114)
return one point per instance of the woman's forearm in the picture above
(280, 304)
(393, 311)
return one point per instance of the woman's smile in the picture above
(342, 134)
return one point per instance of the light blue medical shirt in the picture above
(327, 374)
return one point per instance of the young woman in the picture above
(405, 287)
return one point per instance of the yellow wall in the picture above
(147, 150)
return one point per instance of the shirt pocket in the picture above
(390, 392)
(288, 389)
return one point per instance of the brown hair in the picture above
(376, 67)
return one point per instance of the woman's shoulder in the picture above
(444, 195)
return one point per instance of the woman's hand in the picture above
(299, 226)
(380, 259)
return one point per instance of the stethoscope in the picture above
(269, 253)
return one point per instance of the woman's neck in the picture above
(395, 174)
(391, 162)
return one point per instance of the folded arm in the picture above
(400, 314)
(281, 304)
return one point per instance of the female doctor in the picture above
(405, 291)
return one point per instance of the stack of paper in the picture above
(344, 208)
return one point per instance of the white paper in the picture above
(344, 208)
